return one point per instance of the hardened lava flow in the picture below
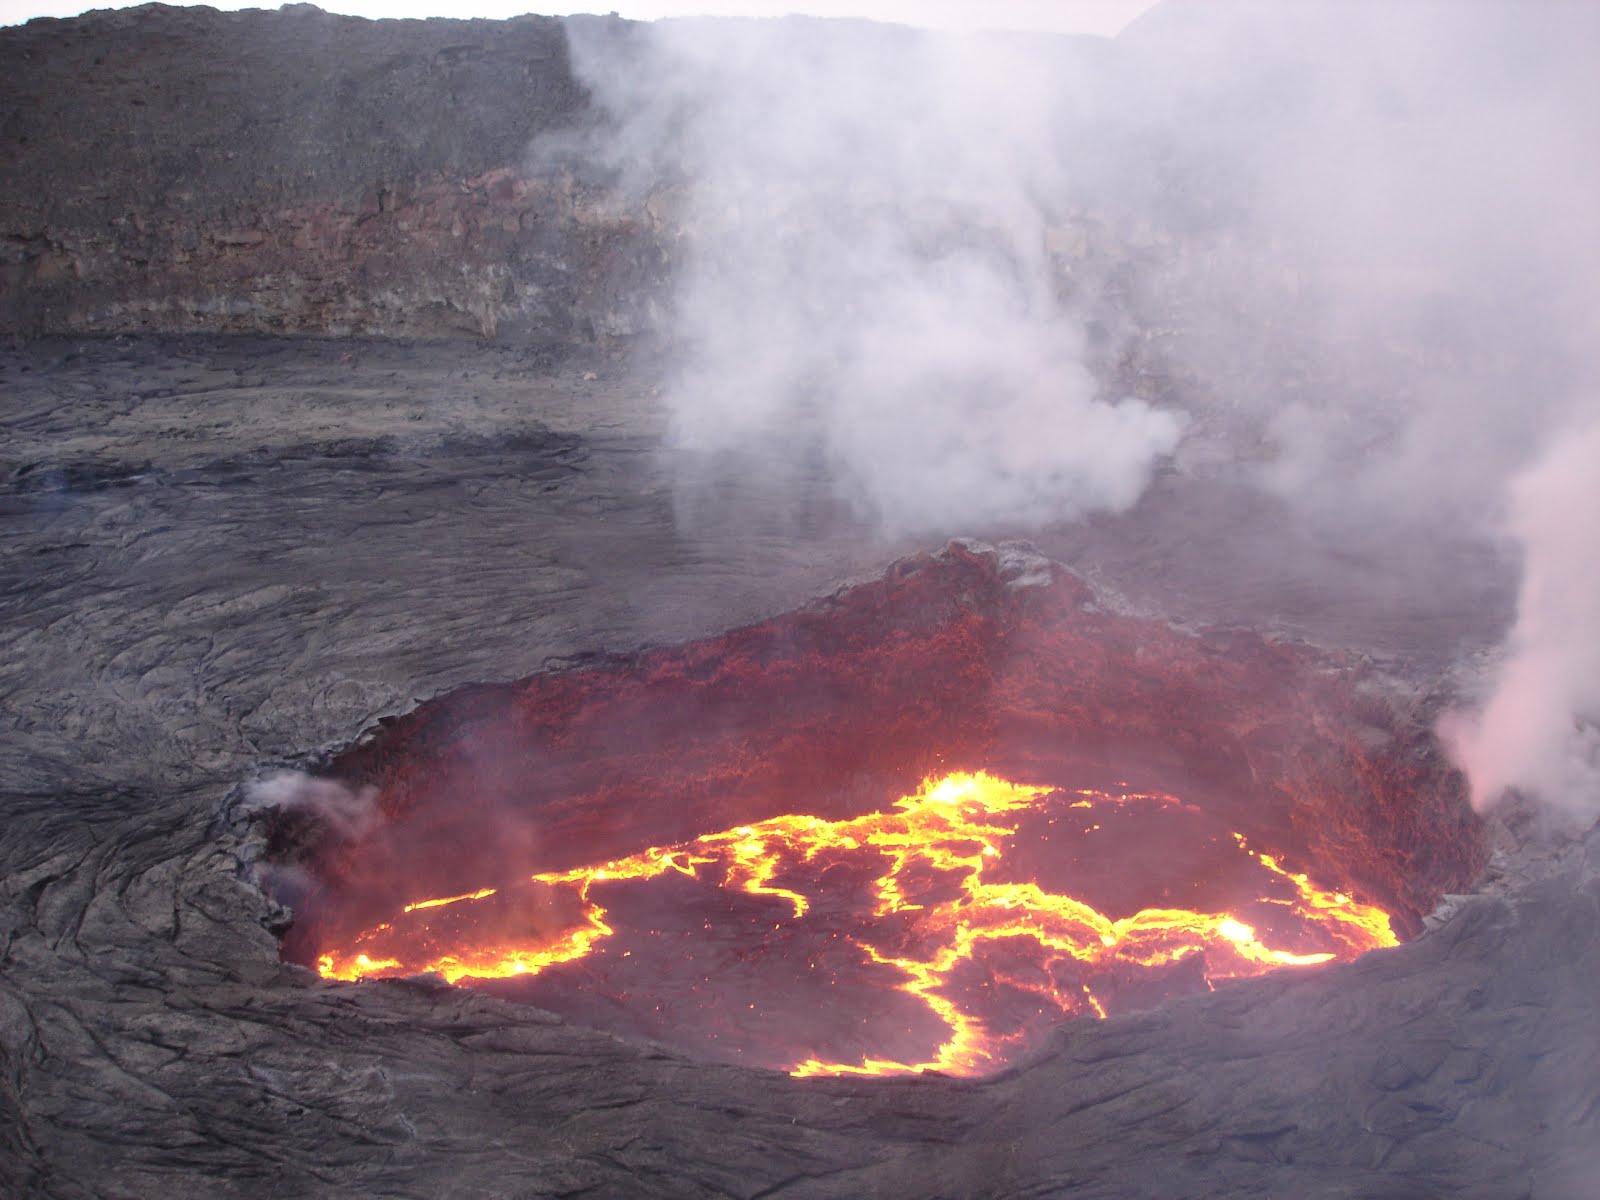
(910, 827)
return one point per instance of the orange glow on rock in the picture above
(936, 901)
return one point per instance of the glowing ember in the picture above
(957, 901)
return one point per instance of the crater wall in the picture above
(172, 169)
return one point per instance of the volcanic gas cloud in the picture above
(909, 827)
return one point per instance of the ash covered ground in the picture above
(225, 552)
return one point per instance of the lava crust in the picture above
(1214, 779)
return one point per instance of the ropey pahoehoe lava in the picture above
(910, 827)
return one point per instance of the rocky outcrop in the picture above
(183, 169)
(167, 169)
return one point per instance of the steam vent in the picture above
(794, 608)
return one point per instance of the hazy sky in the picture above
(1062, 16)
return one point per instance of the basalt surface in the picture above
(724, 845)
(296, 171)
(225, 555)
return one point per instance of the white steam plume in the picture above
(1358, 240)
(865, 279)
(1403, 262)
(1539, 731)
(1393, 252)
(351, 813)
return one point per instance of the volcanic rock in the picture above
(227, 553)
(185, 607)
(183, 169)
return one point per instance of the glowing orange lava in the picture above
(926, 896)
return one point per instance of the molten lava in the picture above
(947, 931)
(700, 844)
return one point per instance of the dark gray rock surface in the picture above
(219, 555)
(223, 554)
(297, 171)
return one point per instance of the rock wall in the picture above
(181, 169)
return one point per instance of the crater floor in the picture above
(224, 554)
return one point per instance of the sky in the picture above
(1105, 17)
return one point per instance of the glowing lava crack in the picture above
(937, 901)
(550, 840)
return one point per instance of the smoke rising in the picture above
(1426, 178)
(1344, 255)
(864, 277)
(1539, 730)
(350, 814)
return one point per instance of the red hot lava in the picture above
(726, 845)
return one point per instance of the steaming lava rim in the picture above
(700, 844)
